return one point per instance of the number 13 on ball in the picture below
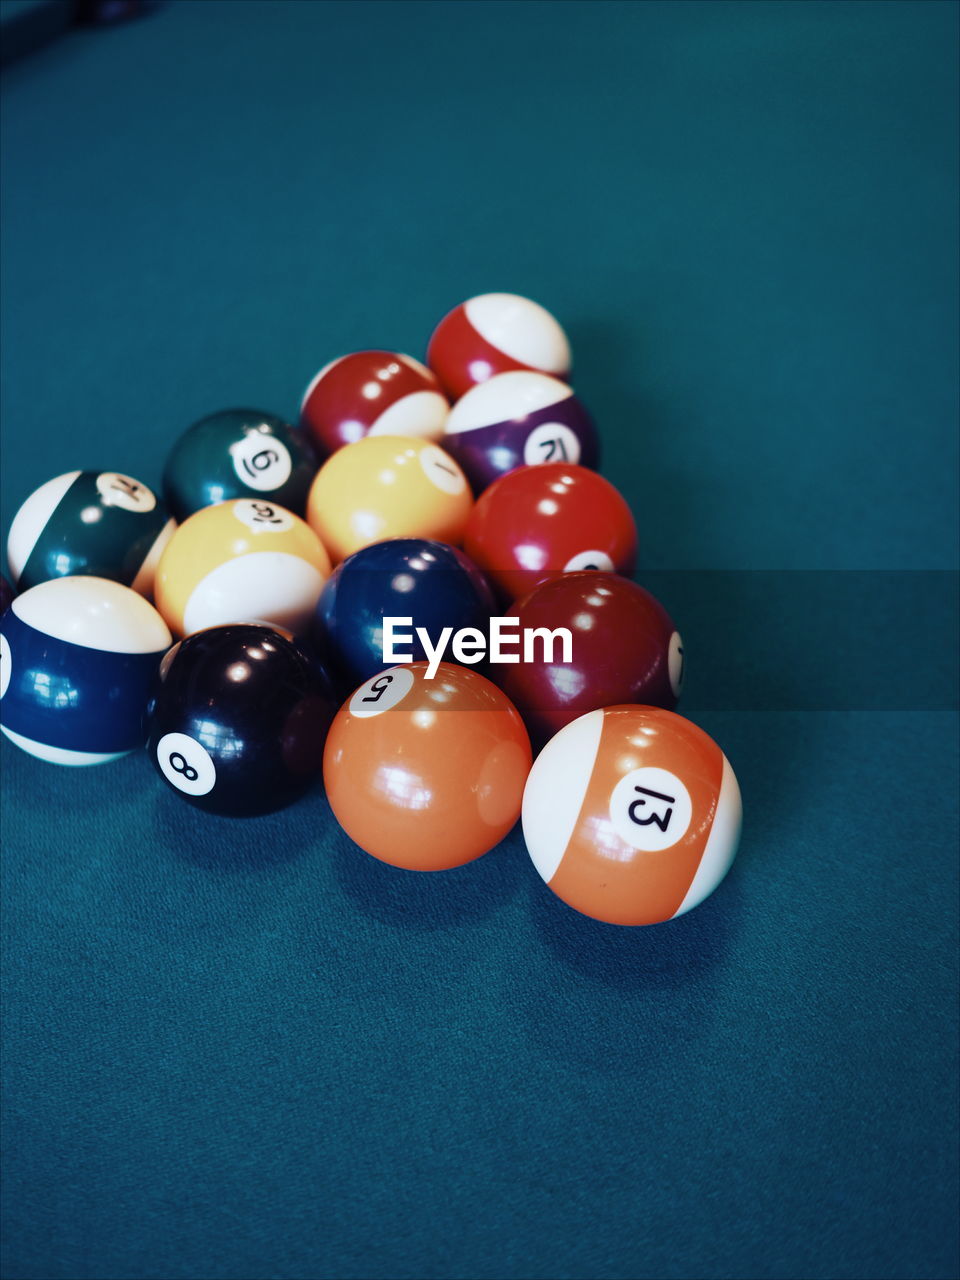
(632, 815)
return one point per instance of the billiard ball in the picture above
(426, 774)
(495, 333)
(247, 560)
(516, 419)
(624, 648)
(372, 393)
(388, 487)
(6, 594)
(538, 522)
(632, 815)
(239, 453)
(78, 659)
(432, 583)
(238, 720)
(100, 523)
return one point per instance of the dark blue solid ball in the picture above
(433, 583)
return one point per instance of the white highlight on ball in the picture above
(521, 329)
(555, 791)
(417, 367)
(675, 663)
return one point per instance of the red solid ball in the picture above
(536, 523)
(624, 648)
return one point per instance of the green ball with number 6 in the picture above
(239, 453)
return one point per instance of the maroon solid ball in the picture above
(624, 648)
(372, 393)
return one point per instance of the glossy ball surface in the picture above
(624, 648)
(372, 393)
(238, 722)
(6, 594)
(239, 453)
(426, 774)
(100, 523)
(388, 487)
(78, 661)
(632, 815)
(495, 333)
(518, 419)
(536, 523)
(242, 561)
(432, 583)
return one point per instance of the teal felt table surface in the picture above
(242, 1049)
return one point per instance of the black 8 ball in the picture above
(238, 721)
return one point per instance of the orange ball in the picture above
(632, 814)
(388, 487)
(426, 774)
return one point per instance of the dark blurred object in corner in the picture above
(28, 25)
(99, 12)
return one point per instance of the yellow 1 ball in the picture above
(241, 561)
(388, 487)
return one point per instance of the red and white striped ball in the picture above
(632, 815)
(496, 333)
(518, 419)
(372, 393)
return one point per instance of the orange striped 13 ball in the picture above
(632, 815)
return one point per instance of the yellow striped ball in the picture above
(241, 561)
